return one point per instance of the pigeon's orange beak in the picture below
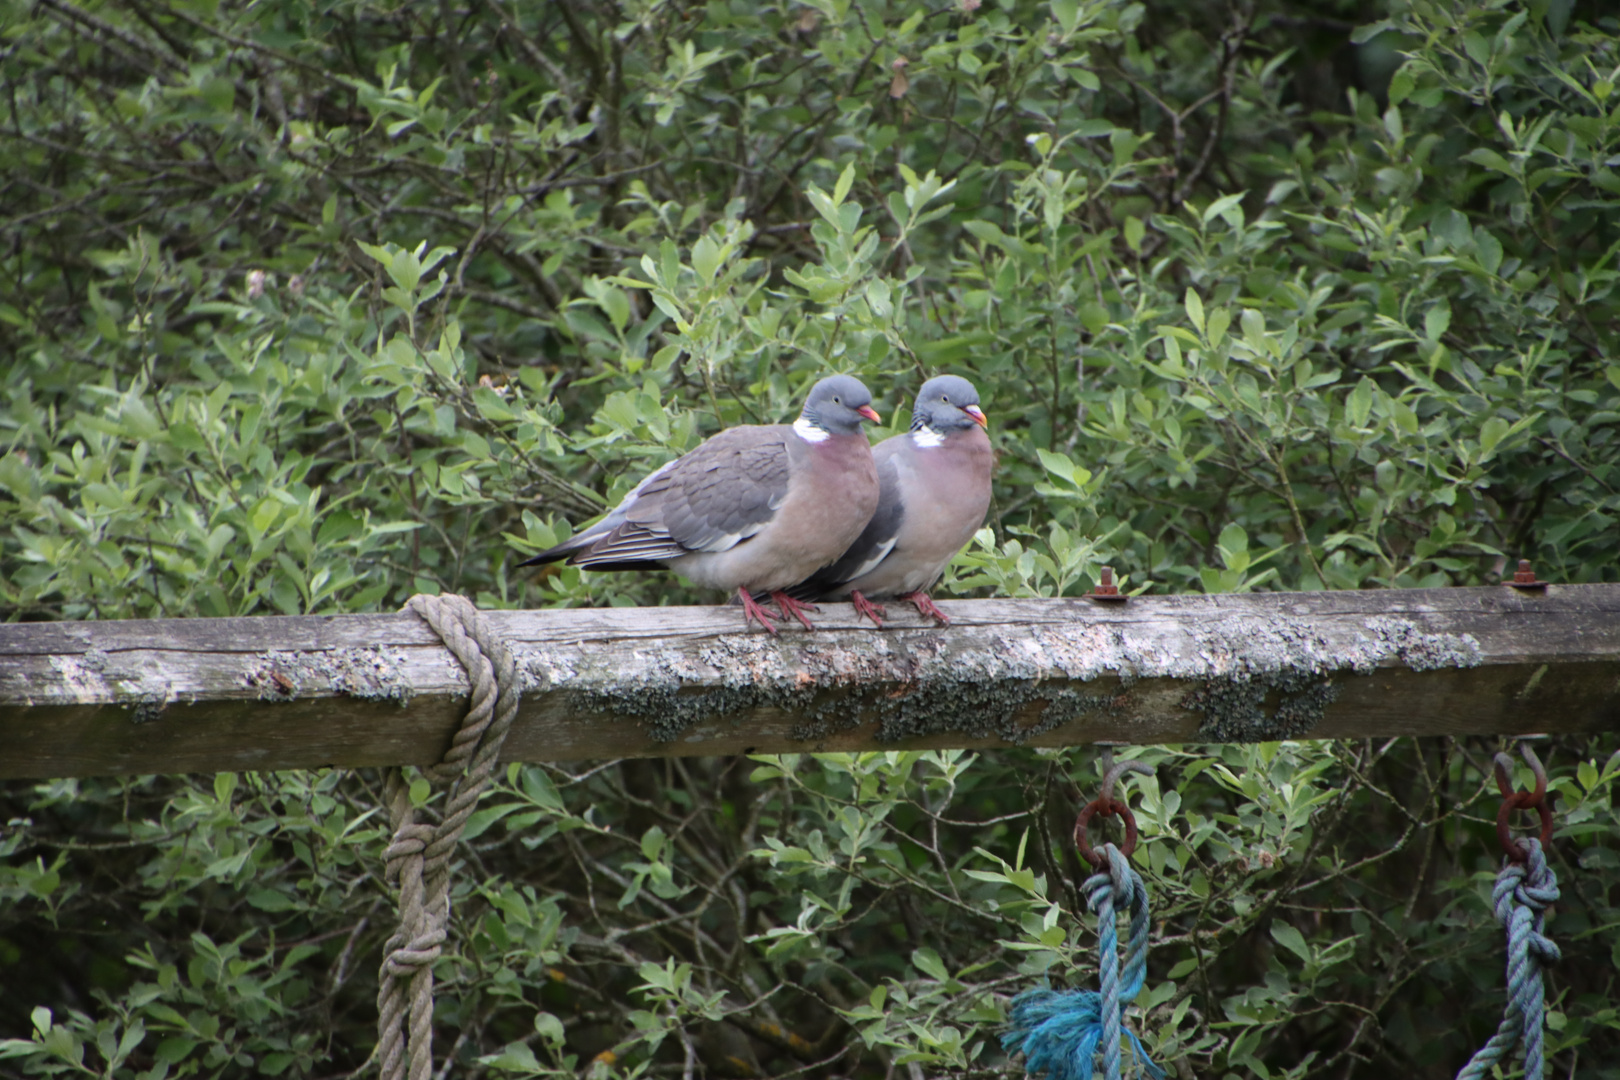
(870, 413)
(977, 414)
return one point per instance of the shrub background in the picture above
(308, 307)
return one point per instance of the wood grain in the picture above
(190, 695)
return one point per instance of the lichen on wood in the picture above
(371, 673)
(1254, 680)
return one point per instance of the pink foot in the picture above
(872, 611)
(926, 607)
(752, 611)
(791, 608)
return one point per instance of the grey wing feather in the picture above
(709, 500)
(632, 548)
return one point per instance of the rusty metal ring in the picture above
(1522, 800)
(1107, 808)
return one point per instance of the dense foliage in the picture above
(308, 307)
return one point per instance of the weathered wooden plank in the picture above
(268, 693)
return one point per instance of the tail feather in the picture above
(558, 553)
(611, 545)
(578, 544)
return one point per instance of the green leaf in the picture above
(1195, 310)
(706, 259)
(270, 900)
(1359, 404)
(1225, 205)
(878, 298)
(1135, 230)
(1291, 939)
(1058, 465)
(549, 1028)
(175, 1049)
(1436, 321)
(1490, 434)
(846, 180)
(1363, 34)
(1484, 155)
(1254, 329)
(1490, 249)
(1402, 83)
(1234, 540)
(927, 961)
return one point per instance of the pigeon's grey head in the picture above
(947, 403)
(838, 404)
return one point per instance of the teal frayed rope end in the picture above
(1058, 1033)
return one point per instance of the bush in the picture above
(309, 308)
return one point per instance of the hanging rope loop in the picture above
(418, 858)
(1061, 1033)
(1525, 888)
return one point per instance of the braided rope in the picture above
(1521, 897)
(419, 856)
(1060, 1033)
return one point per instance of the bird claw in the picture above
(872, 611)
(752, 611)
(791, 608)
(925, 606)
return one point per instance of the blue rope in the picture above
(1059, 1032)
(1521, 897)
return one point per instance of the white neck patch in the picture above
(925, 437)
(808, 431)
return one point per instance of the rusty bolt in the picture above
(1525, 578)
(1106, 590)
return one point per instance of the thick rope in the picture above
(1060, 1033)
(419, 857)
(1522, 895)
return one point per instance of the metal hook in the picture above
(1504, 774)
(1111, 777)
(1108, 806)
(1536, 800)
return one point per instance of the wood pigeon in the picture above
(753, 509)
(934, 491)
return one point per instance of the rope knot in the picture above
(1060, 1033)
(405, 998)
(421, 951)
(410, 840)
(1522, 894)
(1102, 892)
(1538, 887)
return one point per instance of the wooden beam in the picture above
(208, 695)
